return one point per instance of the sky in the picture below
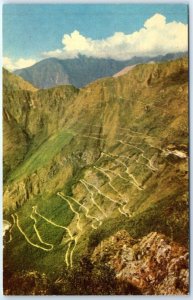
(118, 31)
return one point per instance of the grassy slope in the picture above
(33, 258)
(15, 138)
(43, 155)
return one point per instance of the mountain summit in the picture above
(79, 71)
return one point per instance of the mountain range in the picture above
(96, 179)
(80, 71)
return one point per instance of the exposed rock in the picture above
(175, 152)
(6, 226)
(154, 264)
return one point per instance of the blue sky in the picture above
(30, 30)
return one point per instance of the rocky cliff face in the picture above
(154, 264)
(82, 164)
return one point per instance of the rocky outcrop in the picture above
(153, 264)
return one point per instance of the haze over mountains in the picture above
(80, 71)
(96, 180)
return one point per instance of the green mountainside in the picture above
(15, 138)
(82, 164)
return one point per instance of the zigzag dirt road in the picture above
(92, 197)
(27, 239)
(37, 232)
(88, 216)
(67, 254)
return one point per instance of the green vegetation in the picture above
(169, 216)
(54, 209)
(131, 128)
(46, 152)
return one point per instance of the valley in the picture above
(88, 163)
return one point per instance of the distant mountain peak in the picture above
(82, 70)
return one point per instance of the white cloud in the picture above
(7, 63)
(155, 38)
(21, 63)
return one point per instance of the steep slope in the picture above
(31, 114)
(15, 138)
(15, 144)
(107, 157)
(46, 73)
(10, 81)
(79, 71)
